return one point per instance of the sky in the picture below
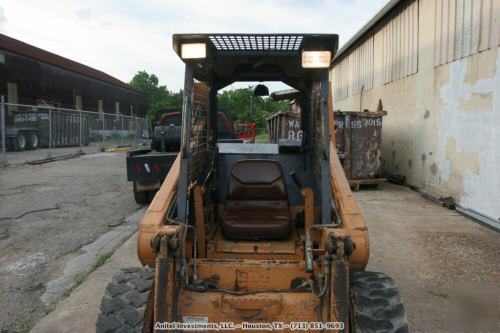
(121, 37)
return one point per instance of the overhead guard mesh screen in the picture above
(250, 43)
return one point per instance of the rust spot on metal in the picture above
(362, 130)
(215, 304)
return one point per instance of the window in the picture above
(464, 27)
(361, 63)
(78, 102)
(117, 109)
(400, 45)
(12, 96)
(341, 80)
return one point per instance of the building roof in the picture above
(16, 46)
(344, 50)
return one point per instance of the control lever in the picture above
(296, 179)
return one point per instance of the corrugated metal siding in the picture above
(361, 64)
(400, 45)
(341, 80)
(465, 27)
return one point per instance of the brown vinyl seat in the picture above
(257, 202)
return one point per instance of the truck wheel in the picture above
(9, 144)
(151, 195)
(141, 197)
(33, 141)
(124, 303)
(376, 304)
(20, 141)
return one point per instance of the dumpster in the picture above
(68, 127)
(284, 128)
(358, 136)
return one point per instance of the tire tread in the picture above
(376, 304)
(124, 302)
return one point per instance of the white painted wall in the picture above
(443, 125)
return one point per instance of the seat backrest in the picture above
(256, 180)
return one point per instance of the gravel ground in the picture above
(56, 221)
(430, 251)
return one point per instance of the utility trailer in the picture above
(243, 234)
(147, 168)
(20, 138)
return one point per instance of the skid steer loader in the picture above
(253, 236)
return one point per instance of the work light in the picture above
(194, 51)
(316, 59)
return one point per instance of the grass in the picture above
(261, 137)
(26, 325)
(82, 277)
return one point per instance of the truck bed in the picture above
(146, 164)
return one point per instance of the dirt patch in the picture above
(460, 257)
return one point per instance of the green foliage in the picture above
(243, 107)
(158, 97)
(239, 104)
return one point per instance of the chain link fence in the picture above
(46, 132)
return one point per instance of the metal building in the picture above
(30, 75)
(435, 66)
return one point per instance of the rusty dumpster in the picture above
(358, 137)
(284, 126)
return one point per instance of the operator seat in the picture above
(257, 202)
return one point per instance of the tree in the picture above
(243, 107)
(157, 96)
(239, 104)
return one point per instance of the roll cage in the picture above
(254, 57)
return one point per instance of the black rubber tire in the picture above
(9, 144)
(151, 195)
(141, 197)
(124, 303)
(376, 304)
(20, 141)
(33, 141)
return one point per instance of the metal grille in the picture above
(256, 42)
(198, 140)
(317, 128)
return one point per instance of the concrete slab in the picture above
(428, 250)
(56, 220)
(78, 312)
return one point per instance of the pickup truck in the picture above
(147, 168)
